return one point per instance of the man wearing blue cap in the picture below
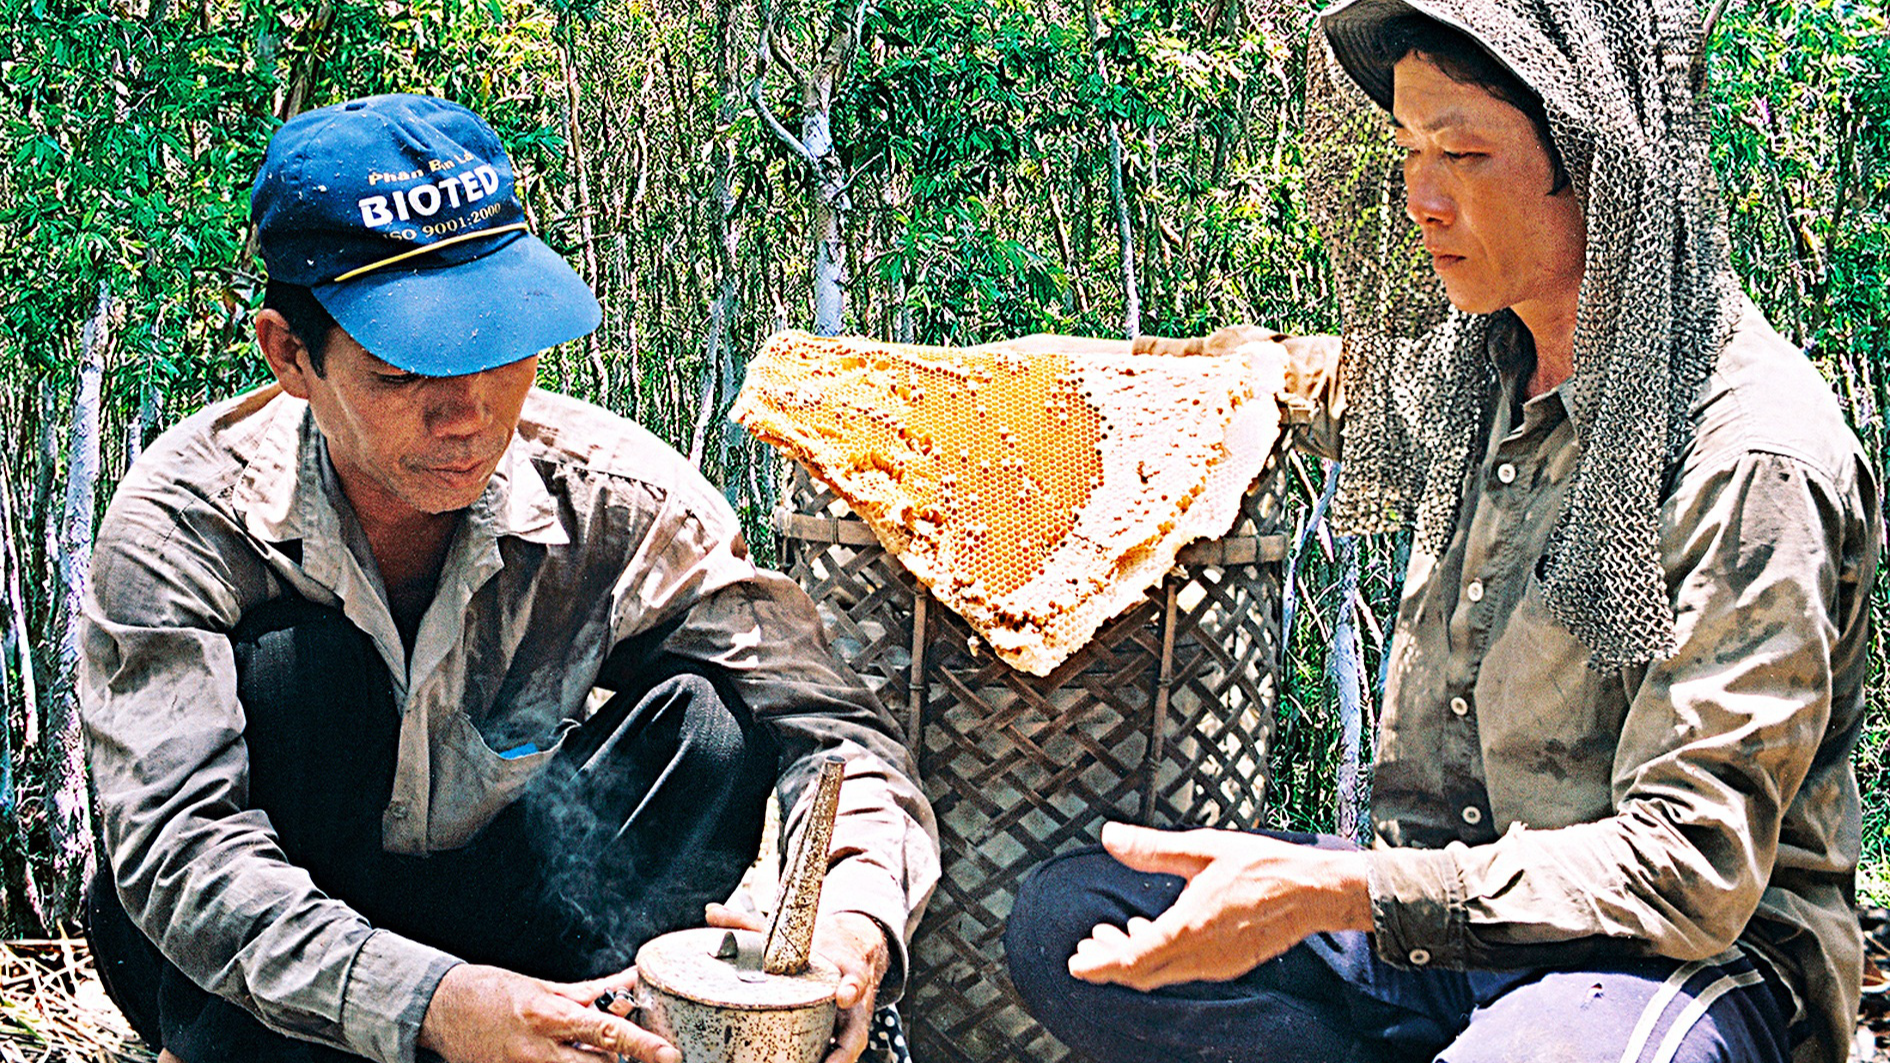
(1613, 811)
(342, 639)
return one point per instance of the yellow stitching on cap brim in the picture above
(428, 249)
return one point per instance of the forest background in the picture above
(933, 171)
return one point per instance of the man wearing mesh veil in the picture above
(1613, 807)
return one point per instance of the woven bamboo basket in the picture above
(1163, 718)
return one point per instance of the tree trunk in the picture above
(307, 64)
(580, 170)
(140, 423)
(294, 96)
(1125, 231)
(727, 230)
(15, 645)
(1345, 672)
(1060, 229)
(15, 641)
(69, 815)
(815, 147)
(39, 497)
(705, 407)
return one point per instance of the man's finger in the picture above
(1100, 955)
(722, 917)
(1137, 971)
(598, 1029)
(624, 982)
(852, 987)
(850, 1030)
(1163, 852)
(1111, 954)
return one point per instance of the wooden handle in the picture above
(791, 937)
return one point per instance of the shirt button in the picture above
(398, 810)
(1419, 957)
(1472, 815)
(1460, 706)
(1506, 473)
(1474, 592)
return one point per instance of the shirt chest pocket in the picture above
(472, 782)
(1547, 723)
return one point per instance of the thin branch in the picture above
(766, 51)
(1698, 73)
(1712, 20)
(778, 51)
(774, 126)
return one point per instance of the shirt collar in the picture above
(1515, 362)
(270, 494)
(517, 502)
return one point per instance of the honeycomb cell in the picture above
(1019, 434)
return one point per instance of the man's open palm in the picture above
(1248, 899)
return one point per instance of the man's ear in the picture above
(284, 351)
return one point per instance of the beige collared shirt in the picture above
(1532, 811)
(591, 532)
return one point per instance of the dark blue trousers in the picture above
(1331, 1000)
(651, 809)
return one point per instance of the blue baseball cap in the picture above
(399, 213)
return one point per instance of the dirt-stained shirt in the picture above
(1532, 811)
(591, 532)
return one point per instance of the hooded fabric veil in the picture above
(1658, 299)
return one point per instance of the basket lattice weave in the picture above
(1164, 719)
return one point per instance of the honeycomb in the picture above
(1039, 486)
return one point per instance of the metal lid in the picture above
(686, 964)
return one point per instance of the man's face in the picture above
(404, 444)
(1477, 181)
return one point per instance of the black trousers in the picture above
(650, 809)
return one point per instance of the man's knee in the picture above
(677, 710)
(1058, 903)
(1286, 1010)
(1634, 1011)
(717, 729)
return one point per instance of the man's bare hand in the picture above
(1248, 899)
(857, 946)
(491, 1015)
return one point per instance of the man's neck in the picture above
(1552, 328)
(409, 551)
(410, 558)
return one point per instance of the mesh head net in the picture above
(1618, 83)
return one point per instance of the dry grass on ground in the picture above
(53, 1009)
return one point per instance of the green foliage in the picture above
(1802, 142)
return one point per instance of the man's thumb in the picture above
(1164, 852)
